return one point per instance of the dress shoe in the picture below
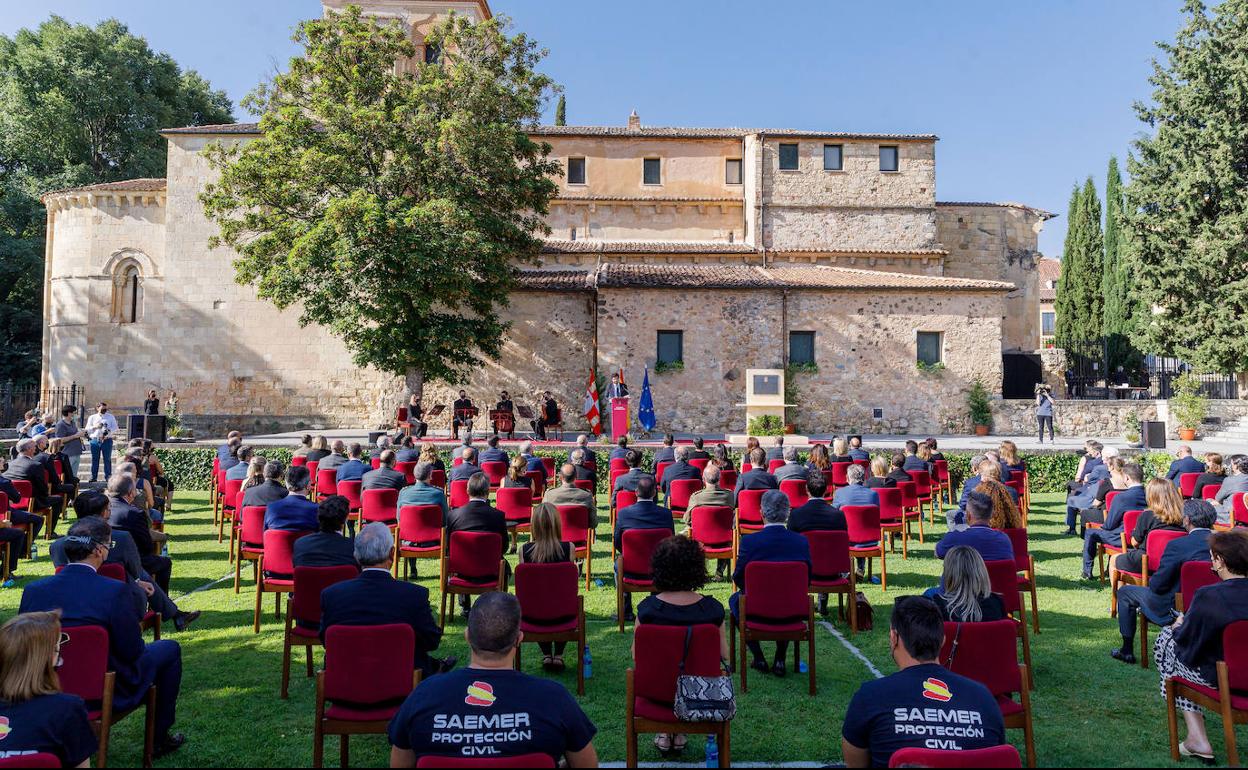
(779, 669)
(1124, 656)
(760, 665)
(184, 619)
(167, 745)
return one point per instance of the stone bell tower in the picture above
(416, 16)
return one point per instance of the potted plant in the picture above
(1131, 430)
(980, 407)
(766, 425)
(1188, 406)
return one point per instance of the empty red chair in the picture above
(997, 756)
(298, 461)
(986, 653)
(1187, 484)
(379, 505)
(1004, 579)
(574, 526)
(277, 560)
(778, 609)
(942, 481)
(303, 614)
(537, 482)
(231, 496)
(549, 464)
(679, 493)
(727, 478)
(1229, 699)
(352, 490)
(892, 524)
(795, 490)
(459, 493)
(650, 685)
(457, 461)
(326, 482)
(419, 535)
(839, 470)
(472, 564)
(516, 503)
(552, 609)
(1154, 547)
(923, 489)
(866, 538)
(660, 469)
(636, 549)
(369, 672)
(408, 470)
(1025, 564)
(496, 471)
(84, 672)
(711, 525)
(774, 464)
(250, 540)
(1239, 509)
(832, 571)
(437, 478)
(522, 761)
(749, 511)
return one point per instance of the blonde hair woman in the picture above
(966, 595)
(517, 474)
(255, 472)
(1009, 455)
(840, 451)
(879, 474)
(546, 546)
(41, 719)
(1165, 512)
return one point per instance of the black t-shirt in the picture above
(991, 609)
(526, 553)
(51, 724)
(922, 706)
(490, 713)
(655, 611)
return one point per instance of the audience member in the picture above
(621, 449)
(680, 469)
(816, 513)
(429, 454)
(272, 488)
(567, 493)
(294, 512)
(491, 453)
(757, 477)
(855, 493)
(319, 450)
(628, 481)
(1009, 455)
(776, 452)
(965, 595)
(644, 514)
(667, 452)
(407, 451)
(477, 515)
(466, 469)
(421, 492)
(305, 446)
(699, 449)
(547, 546)
(1184, 464)
(711, 495)
(879, 478)
(1116, 481)
(239, 471)
(956, 517)
(819, 459)
(125, 516)
(792, 469)
(857, 452)
(1164, 512)
(335, 458)
(385, 476)
(327, 547)
(991, 544)
(1005, 512)
(840, 451)
(26, 468)
(912, 461)
(518, 474)
(1133, 498)
(1213, 475)
(582, 443)
(897, 468)
(1235, 484)
(354, 468)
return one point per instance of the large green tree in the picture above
(561, 111)
(1118, 287)
(78, 105)
(392, 205)
(1079, 298)
(1187, 202)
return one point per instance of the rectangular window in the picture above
(576, 171)
(888, 157)
(1048, 323)
(652, 173)
(931, 348)
(433, 54)
(801, 348)
(788, 157)
(732, 171)
(671, 347)
(833, 157)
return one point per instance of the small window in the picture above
(576, 171)
(652, 172)
(888, 157)
(930, 348)
(127, 293)
(433, 54)
(801, 348)
(833, 157)
(671, 347)
(788, 157)
(732, 171)
(1048, 323)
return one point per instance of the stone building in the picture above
(704, 251)
(1050, 273)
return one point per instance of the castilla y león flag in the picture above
(593, 415)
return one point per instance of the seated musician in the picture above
(464, 411)
(548, 417)
(416, 418)
(505, 422)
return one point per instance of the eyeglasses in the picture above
(62, 640)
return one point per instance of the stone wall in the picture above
(1100, 419)
(690, 168)
(720, 222)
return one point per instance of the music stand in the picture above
(503, 422)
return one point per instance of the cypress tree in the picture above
(561, 111)
(1117, 282)
(1080, 302)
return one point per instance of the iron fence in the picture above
(16, 400)
(1110, 368)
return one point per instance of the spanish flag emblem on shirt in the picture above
(480, 694)
(935, 689)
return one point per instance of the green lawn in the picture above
(1089, 709)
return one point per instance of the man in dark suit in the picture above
(816, 514)
(667, 452)
(791, 469)
(912, 461)
(757, 476)
(616, 389)
(699, 453)
(856, 451)
(354, 468)
(774, 543)
(124, 515)
(269, 490)
(492, 454)
(1156, 600)
(532, 461)
(295, 512)
(328, 547)
(621, 450)
(25, 467)
(461, 412)
(477, 515)
(408, 452)
(582, 443)
(385, 477)
(776, 452)
(1185, 464)
(86, 598)
(15, 537)
(680, 469)
(336, 457)
(375, 598)
(629, 480)
(644, 514)
(897, 468)
(549, 416)
(233, 440)
(468, 468)
(504, 404)
(583, 472)
(1130, 499)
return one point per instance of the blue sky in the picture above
(1028, 98)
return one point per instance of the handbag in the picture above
(703, 698)
(864, 613)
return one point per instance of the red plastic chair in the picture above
(1004, 579)
(1025, 564)
(636, 550)
(438, 479)
(779, 609)
(379, 505)
(997, 756)
(772, 465)
(352, 490)
(250, 541)
(795, 490)
(866, 538)
(650, 685)
(1187, 484)
(1210, 491)
(31, 760)
(420, 524)
(943, 482)
(305, 605)
(459, 494)
(524, 761)
(298, 461)
(574, 526)
(615, 474)
(727, 478)
(987, 654)
(829, 560)
(84, 672)
(1154, 547)
(408, 470)
(1103, 550)
(711, 525)
(552, 609)
(472, 565)
(369, 672)
(516, 503)
(923, 493)
(326, 482)
(679, 493)
(277, 558)
(839, 477)
(749, 511)
(496, 471)
(1229, 699)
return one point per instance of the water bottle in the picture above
(588, 663)
(34, 551)
(598, 582)
(801, 666)
(712, 752)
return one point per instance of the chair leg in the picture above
(1035, 604)
(286, 663)
(344, 749)
(810, 652)
(630, 743)
(619, 603)
(1172, 719)
(883, 571)
(1228, 732)
(1143, 641)
(442, 614)
(238, 569)
(318, 729)
(259, 593)
(308, 659)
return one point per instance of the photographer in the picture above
(101, 427)
(1044, 410)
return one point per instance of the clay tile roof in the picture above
(1049, 269)
(129, 185)
(557, 246)
(1004, 204)
(565, 197)
(555, 280)
(803, 277)
(694, 132)
(220, 128)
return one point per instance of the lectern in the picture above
(619, 417)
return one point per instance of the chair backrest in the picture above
(516, 503)
(574, 523)
(839, 470)
(780, 589)
(1022, 553)
(585, 484)
(549, 464)
(863, 523)
(700, 463)
(618, 463)
(727, 478)
(681, 490)
(1239, 508)
(375, 462)
(657, 653)
(27, 491)
(746, 467)
(942, 469)
(537, 482)
(637, 548)
(660, 469)
(457, 461)
(829, 554)
(922, 482)
(496, 470)
(892, 500)
(1210, 491)
(233, 492)
(1003, 575)
(624, 498)
(1156, 544)
(408, 470)
(298, 461)
(40, 759)
(711, 525)
(279, 550)
(305, 605)
(459, 493)
(1016, 484)
(997, 756)
(474, 554)
(85, 658)
(1187, 483)
(252, 530)
(750, 507)
(614, 474)
(1235, 653)
(313, 472)
(437, 478)
(351, 490)
(1109, 498)
(1193, 576)
(1130, 519)
(326, 481)
(909, 495)
(366, 665)
(796, 491)
(547, 592)
(866, 466)
(523, 761)
(400, 414)
(420, 523)
(379, 504)
(774, 464)
(987, 653)
(114, 571)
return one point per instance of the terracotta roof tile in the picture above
(555, 280)
(129, 185)
(645, 199)
(1004, 204)
(804, 277)
(557, 246)
(219, 128)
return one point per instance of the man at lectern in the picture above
(616, 389)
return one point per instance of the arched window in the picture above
(127, 292)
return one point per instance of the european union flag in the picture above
(645, 410)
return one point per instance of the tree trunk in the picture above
(415, 383)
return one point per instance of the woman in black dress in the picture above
(966, 595)
(1165, 511)
(319, 450)
(517, 474)
(1214, 475)
(879, 474)
(151, 406)
(546, 546)
(679, 570)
